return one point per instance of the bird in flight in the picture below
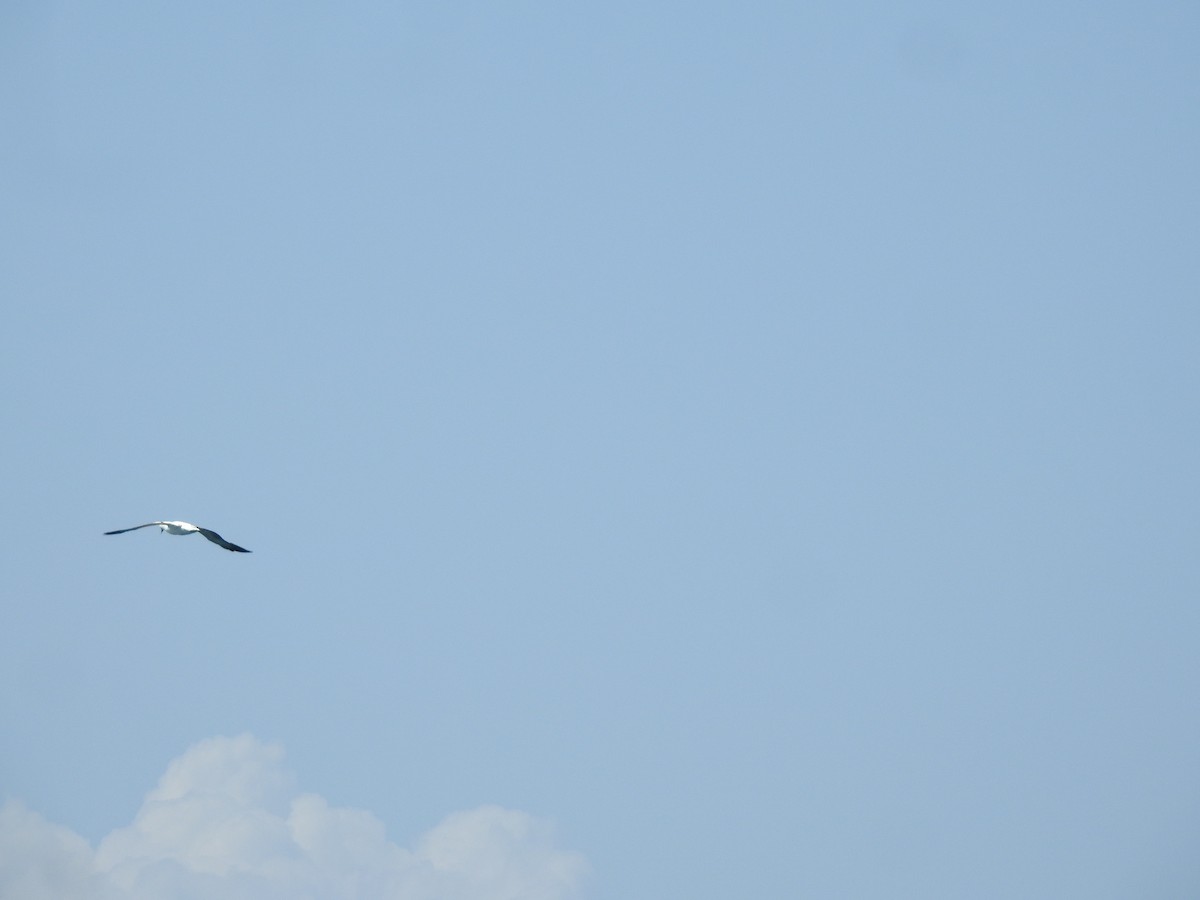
(186, 528)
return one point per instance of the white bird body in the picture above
(186, 528)
(177, 527)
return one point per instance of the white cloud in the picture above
(225, 823)
(41, 861)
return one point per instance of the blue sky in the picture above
(689, 450)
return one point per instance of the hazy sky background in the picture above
(690, 450)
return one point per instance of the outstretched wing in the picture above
(134, 528)
(220, 541)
